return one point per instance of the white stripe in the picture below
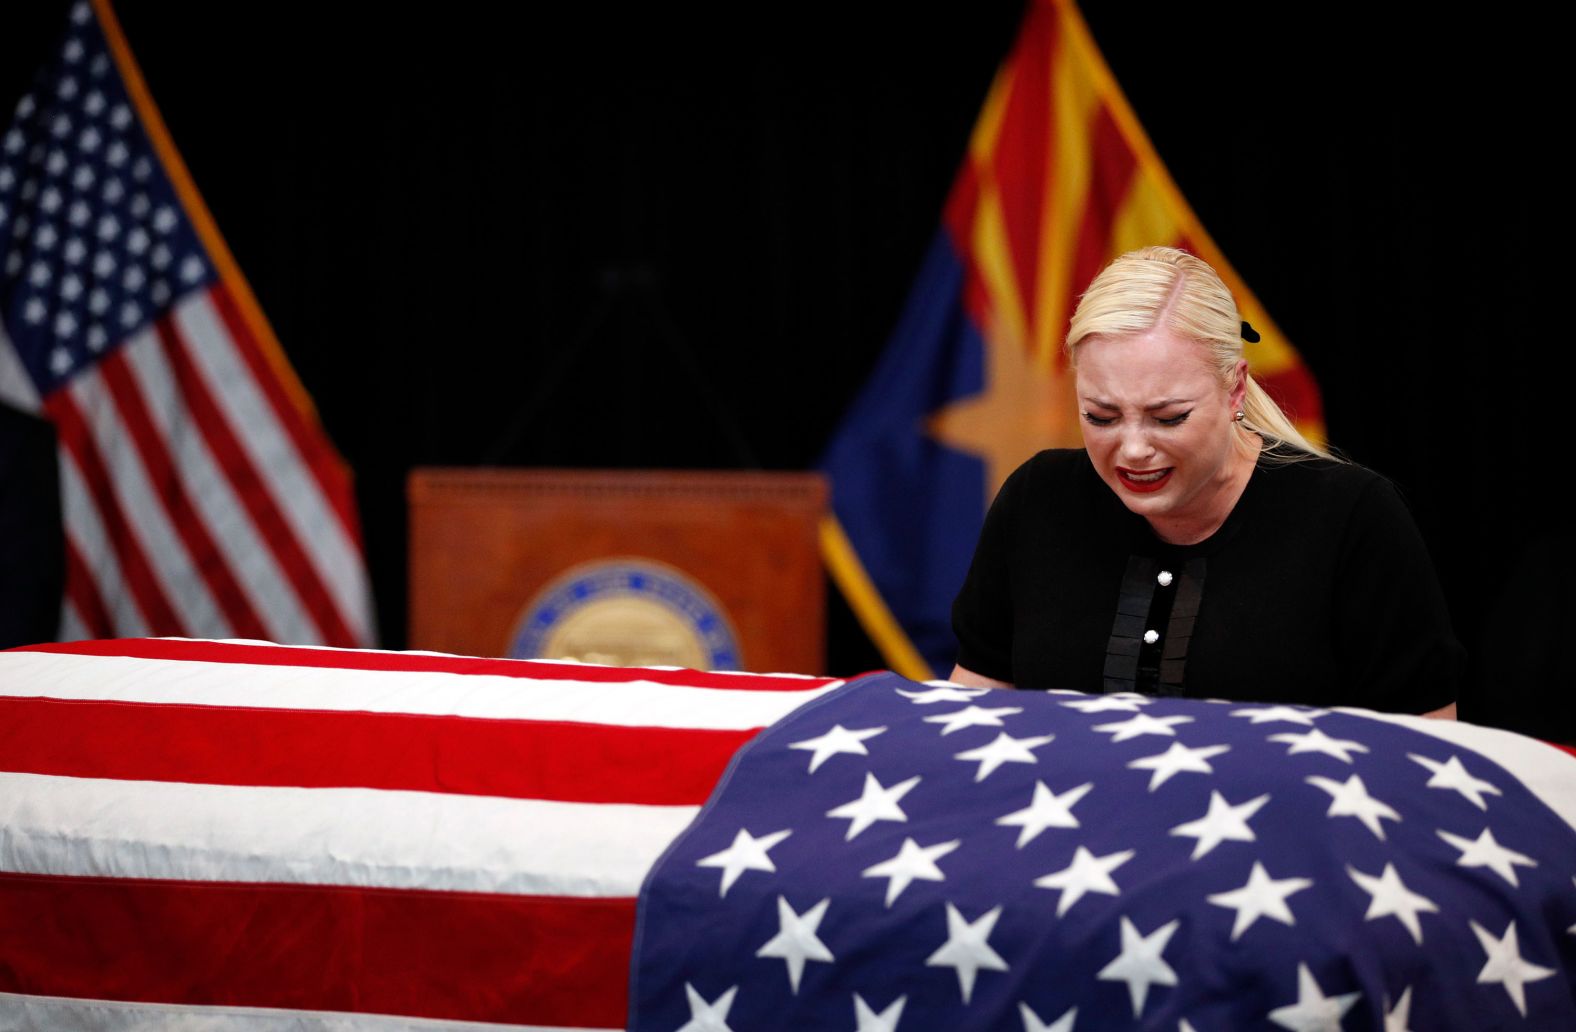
(85, 528)
(72, 626)
(16, 386)
(1547, 772)
(281, 467)
(211, 494)
(19, 1013)
(145, 515)
(369, 838)
(630, 704)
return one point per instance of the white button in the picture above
(1164, 578)
(1150, 637)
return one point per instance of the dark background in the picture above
(635, 238)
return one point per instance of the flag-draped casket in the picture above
(240, 835)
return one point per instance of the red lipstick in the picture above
(1147, 479)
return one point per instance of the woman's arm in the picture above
(969, 679)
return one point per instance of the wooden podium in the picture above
(709, 569)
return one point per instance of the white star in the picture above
(134, 278)
(1315, 740)
(707, 1017)
(1452, 775)
(912, 862)
(966, 948)
(1175, 760)
(1351, 799)
(103, 264)
(1262, 896)
(120, 116)
(1140, 964)
(117, 155)
(82, 179)
(161, 292)
(142, 168)
(747, 853)
(944, 693)
(98, 301)
(870, 1021)
(108, 227)
(1313, 1011)
(50, 201)
(1505, 965)
(1005, 749)
(79, 216)
(1108, 703)
(60, 361)
(1392, 898)
(972, 716)
(192, 269)
(138, 241)
(1033, 1023)
(1223, 821)
(875, 803)
(838, 740)
(97, 338)
(65, 324)
(1046, 810)
(129, 314)
(1142, 724)
(94, 103)
(1272, 714)
(1396, 1020)
(38, 274)
(1485, 852)
(1087, 873)
(796, 941)
(164, 219)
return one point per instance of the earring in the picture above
(1241, 415)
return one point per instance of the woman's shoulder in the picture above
(1049, 479)
(1332, 492)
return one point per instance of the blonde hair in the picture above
(1155, 286)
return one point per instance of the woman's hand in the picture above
(969, 679)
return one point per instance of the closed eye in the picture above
(1095, 420)
(1177, 420)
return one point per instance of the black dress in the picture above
(1317, 589)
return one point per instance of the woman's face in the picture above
(1158, 426)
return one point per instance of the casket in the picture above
(238, 835)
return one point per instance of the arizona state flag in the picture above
(1058, 180)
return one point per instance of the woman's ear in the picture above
(1239, 389)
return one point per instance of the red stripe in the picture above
(1022, 145)
(459, 956)
(138, 572)
(254, 494)
(310, 441)
(410, 662)
(223, 745)
(206, 557)
(82, 589)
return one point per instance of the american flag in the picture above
(242, 836)
(896, 856)
(200, 496)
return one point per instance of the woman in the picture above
(1199, 544)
